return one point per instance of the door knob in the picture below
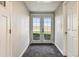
(10, 31)
(65, 32)
(42, 30)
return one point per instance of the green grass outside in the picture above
(41, 32)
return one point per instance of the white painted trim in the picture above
(41, 15)
(23, 51)
(59, 49)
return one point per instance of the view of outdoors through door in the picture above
(47, 28)
(41, 27)
(36, 28)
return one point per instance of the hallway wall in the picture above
(18, 20)
(20, 28)
(66, 28)
(59, 33)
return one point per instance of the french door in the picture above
(41, 28)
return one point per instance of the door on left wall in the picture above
(3, 35)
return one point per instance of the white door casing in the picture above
(72, 29)
(5, 43)
(42, 39)
(3, 35)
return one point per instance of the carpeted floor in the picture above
(42, 51)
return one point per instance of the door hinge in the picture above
(10, 31)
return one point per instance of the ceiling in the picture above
(42, 6)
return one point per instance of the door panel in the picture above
(72, 29)
(69, 29)
(41, 31)
(36, 28)
(3, 35)
(47, 28)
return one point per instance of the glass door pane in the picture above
(36, 28)
(47, 28)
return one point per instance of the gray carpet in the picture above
(42, 51)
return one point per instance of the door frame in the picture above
(43, 14)
(65, 27)
(4, 12)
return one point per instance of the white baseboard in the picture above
(28, 45)
(59, 49)
(23, 51)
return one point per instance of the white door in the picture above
(3, 35)
(72, 29)
(69, 31)
(46, 29)
(41, 28)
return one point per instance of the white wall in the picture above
(59, 29)
(66, 20)
(18, 20)
(20, 28)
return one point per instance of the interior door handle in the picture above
(65, 32)
(10, 31)
(42, 30)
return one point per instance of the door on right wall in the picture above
(72, 29)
